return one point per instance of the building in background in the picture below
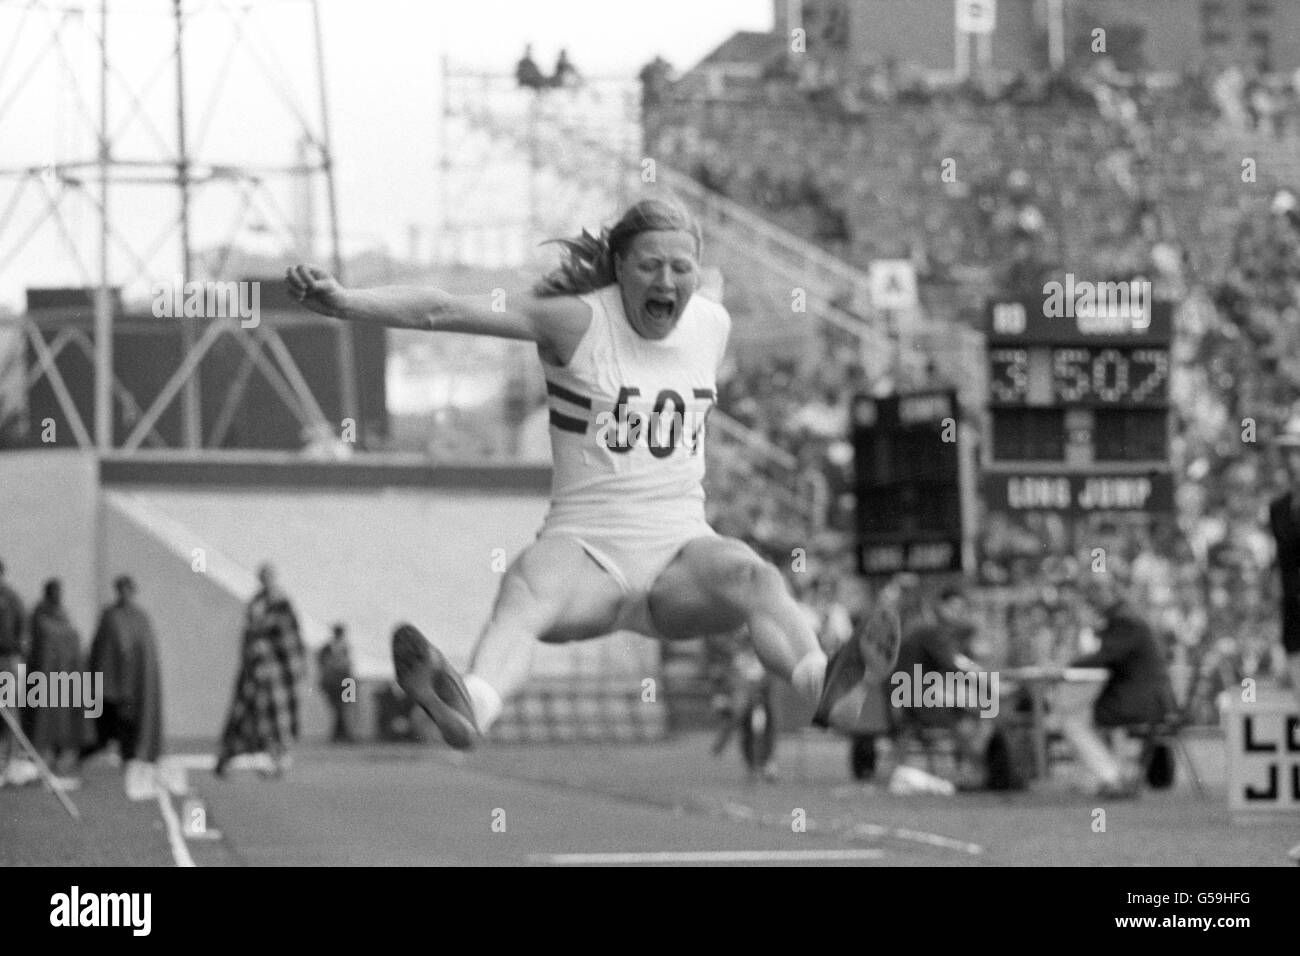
(850, 36)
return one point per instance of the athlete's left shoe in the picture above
(869, 655)
(428, 678)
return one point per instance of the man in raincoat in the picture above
(125, 652)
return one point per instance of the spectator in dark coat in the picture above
(527, 73)
(655, 77)
(55, 732)
(1137, 690)
(12, 617)
(12, 648)
(566, 74)
(939, 649)
(1284, 521)
(125, 652)
(334, 666)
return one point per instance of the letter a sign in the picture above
(893, 284)
(977, 16)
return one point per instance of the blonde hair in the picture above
(588, 258)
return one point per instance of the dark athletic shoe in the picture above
(869, 655)
(429, 679)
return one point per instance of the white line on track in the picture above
(708, 856)
(180, 852)
(209, 761)
(193, 761)
(739, 811)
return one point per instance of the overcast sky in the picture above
(383, 63)
(601, 36)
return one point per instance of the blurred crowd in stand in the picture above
(1105, 174)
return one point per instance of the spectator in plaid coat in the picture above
(263, 715)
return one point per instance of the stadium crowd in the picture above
(1102, 173)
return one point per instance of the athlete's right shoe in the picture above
(428, 678)
(869, 655)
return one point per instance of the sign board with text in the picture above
(1263, 749)
(1078, 493)
(1077, 439)
(907, 483)
(893, 284)
(977, 16)
(1079, 388)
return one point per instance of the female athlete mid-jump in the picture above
(630, 354)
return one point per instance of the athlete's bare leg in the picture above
(715, 585)
(553, 592)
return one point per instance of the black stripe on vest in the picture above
(559, 391)
(567, 423)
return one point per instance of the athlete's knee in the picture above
(551, 593)
(541, 574)
(744, 579)
(551, 564)
(517, 587)
(522, 601)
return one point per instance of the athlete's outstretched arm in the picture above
(555, 323)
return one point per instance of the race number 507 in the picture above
(668, 424)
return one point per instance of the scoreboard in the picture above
(1078, 409)
(908, 483)
(1110, 377)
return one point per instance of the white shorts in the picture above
(634, 561)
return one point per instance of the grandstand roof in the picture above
(745, 46)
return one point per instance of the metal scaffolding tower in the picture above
(122, 143)
(505, 154)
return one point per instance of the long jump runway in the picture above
(393, 806)
(667, 803)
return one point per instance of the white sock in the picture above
(487, 702)
(809, 675)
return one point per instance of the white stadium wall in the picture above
(368, 557)
(356, 551)
(197, 618)
(49, 528)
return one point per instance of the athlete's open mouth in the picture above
(658, 308)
